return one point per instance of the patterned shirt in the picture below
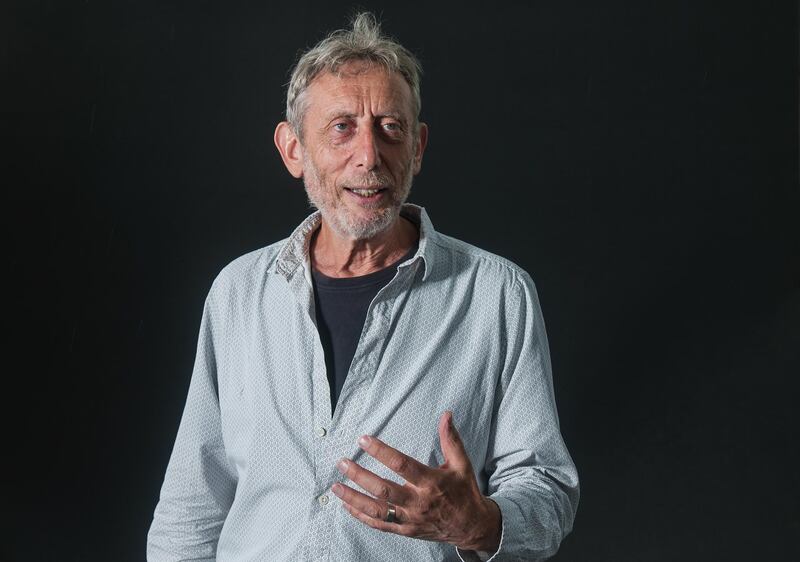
(457, 328)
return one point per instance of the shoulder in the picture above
(245, 274)
(466, 259)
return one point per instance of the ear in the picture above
(290, 148)
(419, 148)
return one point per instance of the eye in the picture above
(391, 126)
(340, 127)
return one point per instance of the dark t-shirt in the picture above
(341, 305)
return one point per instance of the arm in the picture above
(533, 484)
(199, 484)
(531, 475)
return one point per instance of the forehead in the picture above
(357, 88)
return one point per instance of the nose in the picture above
(367, 154)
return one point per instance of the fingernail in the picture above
(452, 425)
(342, 465)
(364, 440)
(337, 490)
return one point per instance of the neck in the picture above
(337, 256)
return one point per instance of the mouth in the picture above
(366, 193)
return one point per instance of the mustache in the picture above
(368, 180)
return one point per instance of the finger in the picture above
(407, 530)
(455, 454)
(407, 467)
(368, 506)
(381, 489)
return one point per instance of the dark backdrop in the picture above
(639, 159)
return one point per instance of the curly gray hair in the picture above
(364, 42)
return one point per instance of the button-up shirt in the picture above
(457, 328)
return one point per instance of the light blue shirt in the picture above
(457, 328)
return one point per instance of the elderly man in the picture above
(368, 388)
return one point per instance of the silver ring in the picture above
(391, 514)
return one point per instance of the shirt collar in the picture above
(294, 252)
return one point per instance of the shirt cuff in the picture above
(479, 555)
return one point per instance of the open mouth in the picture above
(366, 193)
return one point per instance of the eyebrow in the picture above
(339, 114)
(393, 115)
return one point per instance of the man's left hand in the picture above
(439, 504)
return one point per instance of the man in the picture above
(368, 388)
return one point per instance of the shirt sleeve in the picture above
(200, 483)
(531, 475)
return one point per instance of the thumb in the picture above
(455, 455)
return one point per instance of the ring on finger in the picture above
(391, 514)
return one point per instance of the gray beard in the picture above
(343, 224)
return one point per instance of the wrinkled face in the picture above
(360, 149)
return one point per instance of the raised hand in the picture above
(438, 504)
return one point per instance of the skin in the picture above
(438, 504)
(359, 131)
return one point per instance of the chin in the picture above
(364, 229)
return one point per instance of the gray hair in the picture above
(364, 42)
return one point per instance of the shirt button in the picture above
(321, 432)
(323, 499)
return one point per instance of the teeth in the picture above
(365, 192)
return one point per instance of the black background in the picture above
(639, 159)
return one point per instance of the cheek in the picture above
(400, 158)
(330, 166)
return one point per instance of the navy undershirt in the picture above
(341, 305)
